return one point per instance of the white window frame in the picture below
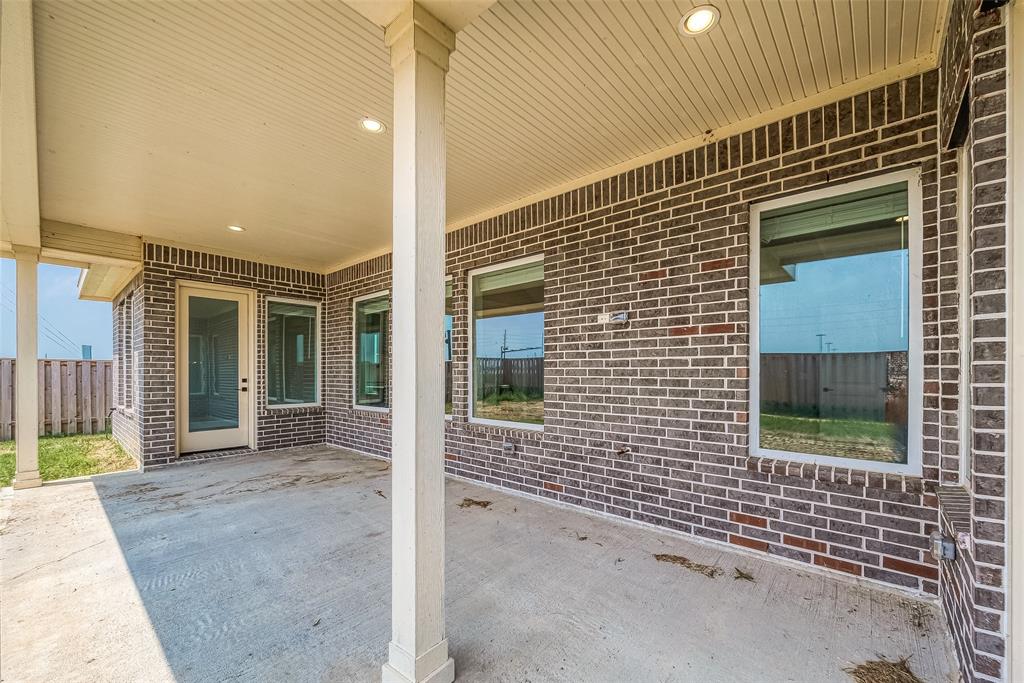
(915, 409)
(126, 370)
(504, 265)
(966, 207)
(355, 349)
(266, 354)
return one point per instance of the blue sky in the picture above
(520, 332)
(65, 322)
(857, 302)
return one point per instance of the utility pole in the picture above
(821, 339)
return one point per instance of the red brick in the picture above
(749, 520)
(922, 570)
(721, 328)
(805, 543)
(449, 456)
(557, 488)
(839, 565)
(654, 274)
(683, 331)
(748, 542)
(718, 264)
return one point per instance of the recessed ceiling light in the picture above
(698, 20)
(371, 125)
(236, 228)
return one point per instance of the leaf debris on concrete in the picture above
(473, 503)
(882, 670)
(380, 493)
(707, 570)
(741, 575)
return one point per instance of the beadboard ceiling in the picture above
(174, 119)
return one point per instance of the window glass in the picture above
(291, 353)
(508, 344)
(833, 326)
(448, 320)
(372, 362)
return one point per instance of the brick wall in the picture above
(155, 401)
(974, 587)
(366, 431)
(649, 421)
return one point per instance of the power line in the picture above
(68, 342)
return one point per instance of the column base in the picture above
(403, 667)
(26, 480)
(446, 674)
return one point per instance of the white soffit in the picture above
(176, 119)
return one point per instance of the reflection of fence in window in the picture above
(514, 376)
(858, 386)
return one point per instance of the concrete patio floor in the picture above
(276, 567)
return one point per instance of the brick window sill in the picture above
(498, 430)
(839, 475)
(955, 506)
(293, 410)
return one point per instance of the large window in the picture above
(292, 356)
(508, 343)
(835, 342)
(372, 371)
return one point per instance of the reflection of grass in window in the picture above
(512, 406)
(862, 439)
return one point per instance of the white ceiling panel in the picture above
(175, 119)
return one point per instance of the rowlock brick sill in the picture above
(838, 475)
(955, 506)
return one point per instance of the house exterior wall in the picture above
(668, 243)
(153, 415)
(974, 57)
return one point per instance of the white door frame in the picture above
(181, 355)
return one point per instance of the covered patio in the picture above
(276, 566)
(737, 277)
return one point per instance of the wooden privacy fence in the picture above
(494, 375)
(75, 396)
(865, 386)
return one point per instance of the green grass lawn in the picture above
(61, 457)
(860, 439)
(830, 429)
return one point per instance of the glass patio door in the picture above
(213, 369)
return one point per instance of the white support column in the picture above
(418, 653)
(19, 219)
(26, 414)
(19, 163)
